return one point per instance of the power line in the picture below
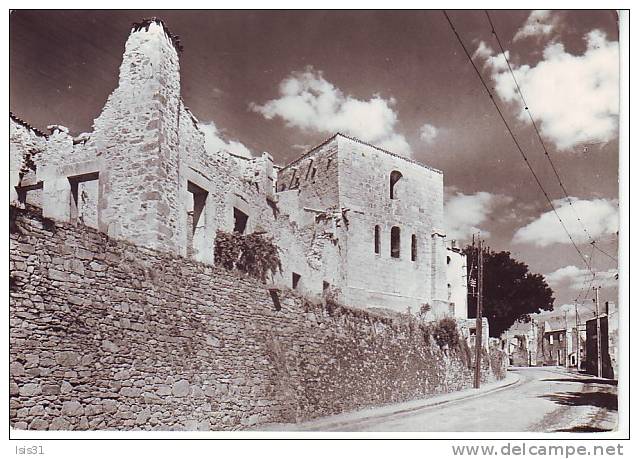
(602, 251)
(612, 238)
(512, 135)
(543, 145)
(585, 289)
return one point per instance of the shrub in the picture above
(227, 249)
(255, 254)
(466, 353)
(498, 363)
(445, 333)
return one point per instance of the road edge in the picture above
(379, 413)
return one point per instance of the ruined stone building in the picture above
(609, 334)
(349, 218)
(554, 341)
(457, 280)
(520, 342)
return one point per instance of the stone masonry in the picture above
(120, 318)
(144, 175)
(106, 334)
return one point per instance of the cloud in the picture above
(496, 62)
(573, 98)
(483, 51)
(214, 141)
(599, 216)
(428, 132)
(539, 23)
(568, 308)
(464, 213)
(575, 278)
(308, 101)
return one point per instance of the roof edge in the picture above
(354, 139)
(305, 155)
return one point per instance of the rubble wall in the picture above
(108, 335)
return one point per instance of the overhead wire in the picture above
(541, 141)
(512, 135)
(584, 290)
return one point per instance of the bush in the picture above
(445, 333)
(255, 254)
(498, 363)
(465, 353)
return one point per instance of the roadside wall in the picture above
(108, 335)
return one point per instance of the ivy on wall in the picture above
(254, 254)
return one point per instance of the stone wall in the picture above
(311, 233)
(456, 277)
(134, 141)
(108, 335)
(345, 183)
(378, 279)
(25, 146)
(314, 176)
(144, 174)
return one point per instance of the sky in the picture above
(284, 81)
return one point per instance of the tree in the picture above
(510, 291)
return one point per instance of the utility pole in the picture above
(578, 337)
(478, 321)
(534, 339)
(596, 289)
(566, 339)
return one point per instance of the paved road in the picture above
(545, 400)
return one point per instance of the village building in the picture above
(577, 355)
(457, 279)
(520, 342)
(609, 332)
(351, 220)
(555, 342)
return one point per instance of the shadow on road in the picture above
(584, 429)
(605, 400)
(609, 382)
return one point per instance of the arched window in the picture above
(394, 178)
(395, 242)
(413, 248)
(377, 239)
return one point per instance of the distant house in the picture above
(468, 331)
(609, 331)
(613, 336)
(555, 340)
(577, 355)
(520, 343)
(456, 277)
